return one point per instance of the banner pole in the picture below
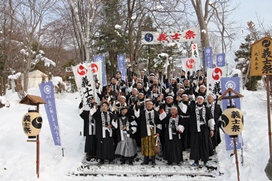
(38, 152)
(236, 158)
(38, 156)
(268, 112)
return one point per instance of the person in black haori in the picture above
(141, 105)
(202, 91)
(216, 113)
(114, 84)
(172, 142)
(150, 128)
(121, 83)
(169, 102)
(126, 127)
(189, 89)
(133, 98)
(184, 104)
(202, 126)
(88, 131)
(104, 133)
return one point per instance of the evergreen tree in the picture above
(110, 39)
(149, 53)
(243, 63)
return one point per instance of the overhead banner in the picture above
(150, 37)
(233, 83)
(122, 66)
(47, 93)
(101, 58)
(153, 37)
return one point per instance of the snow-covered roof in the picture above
(36, 73)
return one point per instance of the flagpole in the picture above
(268, 112)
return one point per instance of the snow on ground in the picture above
(18, 156)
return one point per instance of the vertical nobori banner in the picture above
(96, 69)
(194, 49)
(190, 64)
(85, 81)
(213, 78)
(208, 56)
(233, 83)
(122, 65)
(47, 93)
(104, 73)
(220, 60)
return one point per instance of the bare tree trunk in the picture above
(83, 20)
(202, 20)
(1, 86)
(26, 73)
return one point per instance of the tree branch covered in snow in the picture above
(39, 57)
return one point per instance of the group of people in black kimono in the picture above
(142, 110)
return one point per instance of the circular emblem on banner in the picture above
(121, 58)
(266, 43)
(148, 37)
(94, 68)
(220, 58)
(217, 73)
(190, 63)
(230, 84)
(98, 59)
(208, 51)
(47, 89)
(82, 70)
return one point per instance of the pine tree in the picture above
(243, 63)
(110, 40)
(149, 53)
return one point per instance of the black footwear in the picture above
(195, 164)
(123, 162)
(130, 161)
(110, 161)
(88, 157)
(153, 163)
(153, 160)
(169, 163)
(101, 162)
(145, 160)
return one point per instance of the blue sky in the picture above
(251, 10)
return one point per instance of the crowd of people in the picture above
(137, 113)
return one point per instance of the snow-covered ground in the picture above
(18, 157)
